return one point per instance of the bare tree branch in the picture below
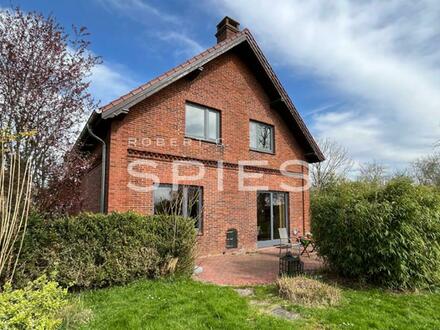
(373, 172)
(426, 170)
(335, 167)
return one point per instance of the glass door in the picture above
(279, 213)
(271, 215)
(264, 216)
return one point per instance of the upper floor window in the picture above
(202, 123)
(261, 137)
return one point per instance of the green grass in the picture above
(368, 309)
(185, 304)
(182, 304)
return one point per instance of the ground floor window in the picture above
(185, 201)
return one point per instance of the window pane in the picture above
(167, 201)
(186, 202)
(264, 137)
(195, 121)
(263, 216)
(279, 213)
(213, 126)
(194, 204)
(253, 134)
(261, 136)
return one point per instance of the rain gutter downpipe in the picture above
(103, 164)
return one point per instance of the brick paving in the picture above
(248, 269)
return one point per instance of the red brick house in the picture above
(224, 110)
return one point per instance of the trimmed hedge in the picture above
(386, 235)
(97, 250)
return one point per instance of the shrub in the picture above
(308, 292)
(387, 235)
(97, 250)
(37, 306)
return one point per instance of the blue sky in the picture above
(363, 73)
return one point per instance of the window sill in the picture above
(203, 140)
(262, 151)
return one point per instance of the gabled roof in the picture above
(243, 39)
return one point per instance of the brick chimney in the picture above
(226, 29)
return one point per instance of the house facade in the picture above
(216, 139)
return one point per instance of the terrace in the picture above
(260, 267)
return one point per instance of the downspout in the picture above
(304, 202)
(103, 164)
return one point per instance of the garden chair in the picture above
(285, 241)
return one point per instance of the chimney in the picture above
(226, 29)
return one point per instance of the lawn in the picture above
(185, 304)
(368, 309)
(182, 304)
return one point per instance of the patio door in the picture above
(271, 215)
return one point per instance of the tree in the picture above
(335, 167)
(63, 193)
(373, 172)
(426, 170)
(43, 86)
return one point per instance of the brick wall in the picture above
(91, 188)
(227, 85)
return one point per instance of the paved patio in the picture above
(248, 269)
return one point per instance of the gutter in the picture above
(103, 165)
(93, 118)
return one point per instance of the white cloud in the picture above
(154, 19)
(190, 46)
(321, 108)
(109, 82)
(382, 56)
(139, 10)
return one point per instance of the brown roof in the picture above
(123, 103)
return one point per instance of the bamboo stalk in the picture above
(15, 201)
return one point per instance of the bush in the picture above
(97, 250)
(37, 306)
(308, 292)
(387, 235)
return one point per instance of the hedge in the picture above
(97, 250)
(387, 235)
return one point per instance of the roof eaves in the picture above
(93, 117)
